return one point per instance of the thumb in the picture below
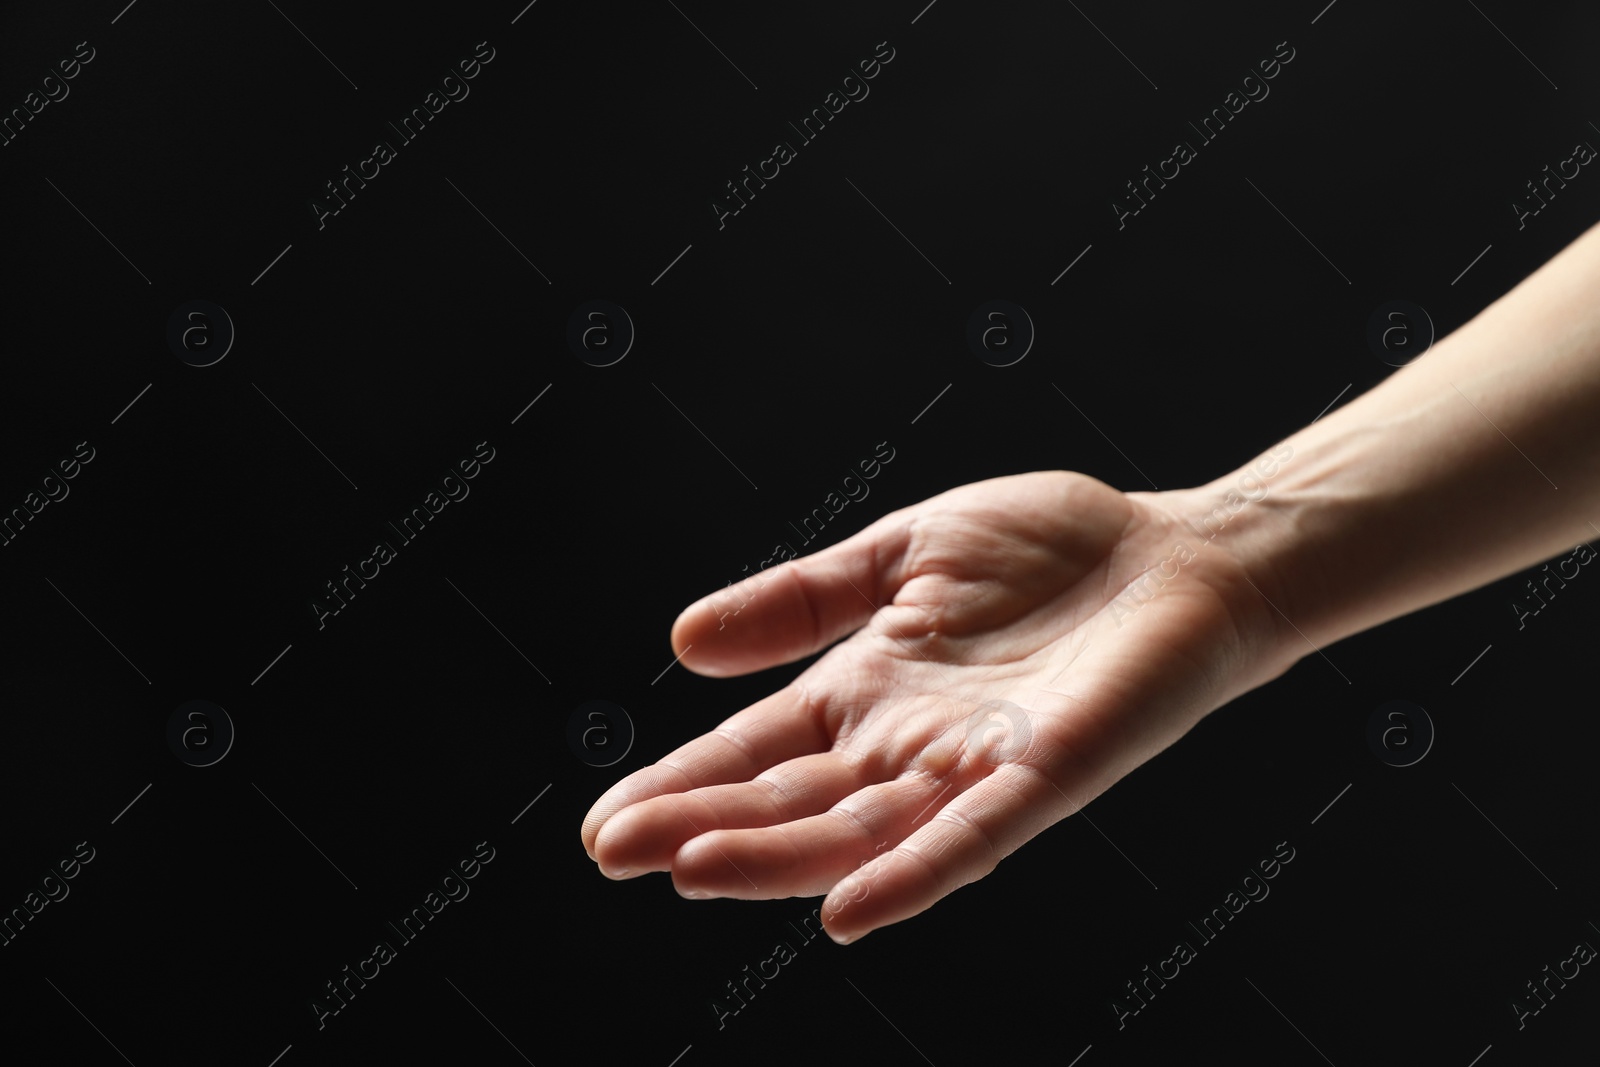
(788, 612)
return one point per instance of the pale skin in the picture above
(889, 773)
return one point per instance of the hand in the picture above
(1000, 672)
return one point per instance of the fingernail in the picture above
(691, 894)
(617, 872)
(842, 939)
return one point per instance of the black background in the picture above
(428, 714)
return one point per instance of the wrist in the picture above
(1246, 530)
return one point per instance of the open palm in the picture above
(1015, 646)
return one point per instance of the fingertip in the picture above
(693, 638)
(589, 831)
(681, 626)
(611, 802)
(841, 936)
(697, 864)
(618, 847)
(841, 931)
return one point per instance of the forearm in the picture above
(1478, 459)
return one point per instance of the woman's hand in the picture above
(1014, 647)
